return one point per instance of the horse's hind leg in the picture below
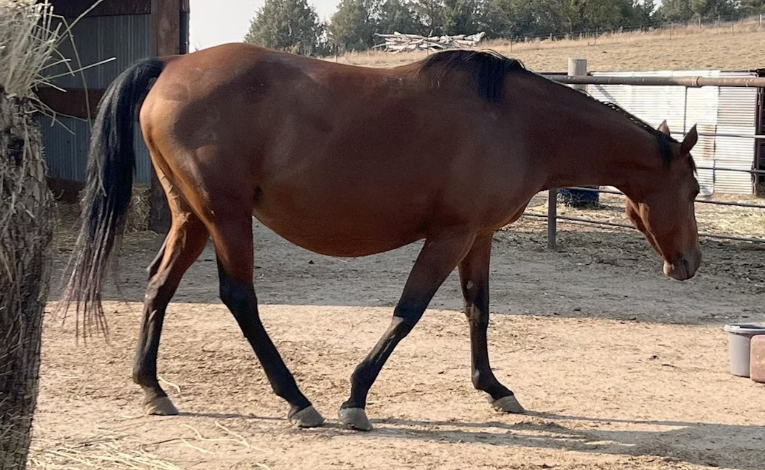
(474, 279)
(437, 259)
(183, 245)
(232, 235)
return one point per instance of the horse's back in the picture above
(322, 152)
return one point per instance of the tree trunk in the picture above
(25, 240)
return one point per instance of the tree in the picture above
(644, 13)
(497, 19)
(288, 25)
(460, 17)
(355, 22)
(398, 16)
(675, 10)
(752, 7)
(605, 14)
(709, 10)
(431, 16)
(353, 25)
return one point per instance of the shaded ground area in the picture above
(620, 367)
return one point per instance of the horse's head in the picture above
(661, 205)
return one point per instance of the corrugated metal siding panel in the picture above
(126, 38)
(66, 152)
(701, 110)
(724, 110)
(761, 131)
(704, 156)
(737, 114)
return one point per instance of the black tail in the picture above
(108, 191)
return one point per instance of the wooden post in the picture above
(576, 68)
(166, 28)
(552, 218)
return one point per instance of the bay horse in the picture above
(352, 161)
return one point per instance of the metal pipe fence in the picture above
(552, 214)
(687, 82)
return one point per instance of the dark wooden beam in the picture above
(166, 25)
(74, 8)
(71, 102)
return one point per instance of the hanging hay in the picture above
(27, 44)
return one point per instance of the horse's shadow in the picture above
(704, 444)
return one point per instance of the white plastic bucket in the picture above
(739, 339)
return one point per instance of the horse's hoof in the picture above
(355, 418)
(307, 418)
(508, 404)
(160, 406)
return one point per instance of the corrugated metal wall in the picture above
(712, 109)
(737, 114)
(66, 152)
(126, 38)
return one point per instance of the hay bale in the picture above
(138, 213)
(25, 241)
(26, 205)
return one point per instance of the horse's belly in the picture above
(338, 234)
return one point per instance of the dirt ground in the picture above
(618, 366)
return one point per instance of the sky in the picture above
(214, 22)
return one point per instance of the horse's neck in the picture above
(587, 143)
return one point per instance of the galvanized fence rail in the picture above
(687, 82)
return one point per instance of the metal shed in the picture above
(125, 30)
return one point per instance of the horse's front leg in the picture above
(474, 279)
(438, 258)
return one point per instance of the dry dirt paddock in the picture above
(618, 366)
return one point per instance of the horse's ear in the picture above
(690, 140)
(664, 128)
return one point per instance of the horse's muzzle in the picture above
(684, 268)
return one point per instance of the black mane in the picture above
(663, 139)
(489, 68)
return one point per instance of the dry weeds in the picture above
(736, 46)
